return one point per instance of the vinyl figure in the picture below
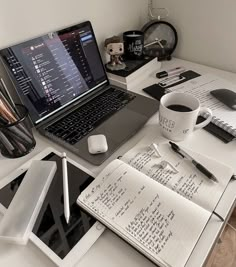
(115, 48)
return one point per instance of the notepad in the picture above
(160, 211)
(200, 87)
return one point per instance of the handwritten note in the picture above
(151, 227)
(188, 181)
(150, 224)
(159, 204)
(145, 213)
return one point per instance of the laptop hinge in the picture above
(77, 104)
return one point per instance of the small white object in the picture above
(65, 188)
(167, 165)
(156, 149)
(97, 144)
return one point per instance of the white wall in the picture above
(24, 19)
(206, 30)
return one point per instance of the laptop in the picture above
(61, 79)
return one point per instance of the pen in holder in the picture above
(16, 137)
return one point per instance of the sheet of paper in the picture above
(201, 86)
(160, 223)
(188, 182)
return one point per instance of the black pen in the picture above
(199, 166)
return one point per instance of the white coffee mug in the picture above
(178, 115)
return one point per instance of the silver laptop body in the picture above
(61, 75)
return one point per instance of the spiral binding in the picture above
(221, 124)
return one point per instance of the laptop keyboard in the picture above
(83, 120)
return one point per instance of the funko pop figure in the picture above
(115, 48)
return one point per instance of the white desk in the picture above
(110, 250)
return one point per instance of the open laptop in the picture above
(60, 78)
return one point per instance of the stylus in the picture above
(65, 188)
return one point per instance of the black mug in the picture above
(133, 44)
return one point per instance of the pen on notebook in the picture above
(199, 166)
(65, 188)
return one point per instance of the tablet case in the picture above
(157, 91)
(22, 213)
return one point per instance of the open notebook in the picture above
(158, 204)
(200, 87)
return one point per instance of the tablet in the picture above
(63, 243)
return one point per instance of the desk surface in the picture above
(109, 250)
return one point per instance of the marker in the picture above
(65, 188)
(170, 72)
(169, 78)
(172, 80)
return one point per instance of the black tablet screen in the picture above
(50, 225)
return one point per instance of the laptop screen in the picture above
(56, 69)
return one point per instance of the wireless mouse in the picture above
(226, 96)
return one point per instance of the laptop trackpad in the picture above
(117, 130)
(122, 125)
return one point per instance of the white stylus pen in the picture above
(65, 188)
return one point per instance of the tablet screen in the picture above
(51, 227)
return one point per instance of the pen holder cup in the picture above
(16, 138)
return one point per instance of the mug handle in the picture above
(206, 121)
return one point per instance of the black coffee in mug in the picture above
(179, 108)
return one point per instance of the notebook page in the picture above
(188, 182)
(201, 86)
(161, 224)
